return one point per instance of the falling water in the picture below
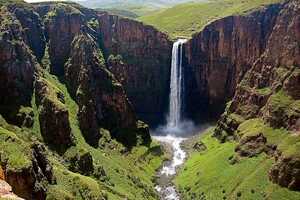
(176, 85)
(175, 125)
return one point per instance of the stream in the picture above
(165, 187)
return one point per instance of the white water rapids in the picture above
(168, 192)
(175, 125)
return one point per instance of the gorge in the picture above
(80, 86)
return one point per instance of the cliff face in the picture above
(218, 57)
(62, 24)
(269, 93)
(33, 28)
(271, 86)
(140, 57)
(102, 102)
(17, 68)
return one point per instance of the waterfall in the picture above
(176, 86)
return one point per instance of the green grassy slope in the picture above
(185, 19)
(128, 176)
(139, 7)
(120, 12)
(137, 10)
(209, 174)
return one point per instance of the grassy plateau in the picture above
(183, 20)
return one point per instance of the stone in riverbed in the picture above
(199, 146)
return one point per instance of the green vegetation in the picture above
(125, 8)
(5, 2)
(125, 176)
(210, 175)
(139, 10)
(186, 19)
(94, 24)
(14, 152)
(62, 9)
(264, 91)
(288, 143)
(120, 12)
(283, 103)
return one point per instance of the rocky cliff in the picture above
(219, 56)
(140, 57)
(266, 100)
(102, 102)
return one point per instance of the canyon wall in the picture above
(140, 57)
(218, 57)
(267, 101)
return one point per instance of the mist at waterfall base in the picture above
(176, 125)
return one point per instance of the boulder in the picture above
(286, 172)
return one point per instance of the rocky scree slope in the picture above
(66, 121)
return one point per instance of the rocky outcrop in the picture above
(53, 116)
(286, 172)
(101, 98)
(145, 52)
(81, 161)
(26, 168)
(220, 55)
(250, 146)
(75, 55)
(31, 182)
(144, 67)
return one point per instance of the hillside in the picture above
(119, 12)
(218, 173)
(139, 7)
(186, 19)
